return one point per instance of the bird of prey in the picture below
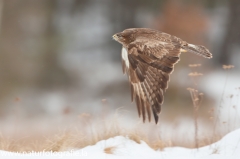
(148, 58)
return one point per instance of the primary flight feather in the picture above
(148, 58)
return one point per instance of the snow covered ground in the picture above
(123, 147)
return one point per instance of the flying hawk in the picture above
(148, 58)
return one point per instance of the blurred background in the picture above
(58, 59)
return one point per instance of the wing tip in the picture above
(156, 111)
(156, 118)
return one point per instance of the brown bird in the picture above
(148, 58)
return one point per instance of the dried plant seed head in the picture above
(66, 110)
(194, 74)
(225, 67)
(17, 99)
(195, 65)
(104, 100)
(84, 115)
(196, 99)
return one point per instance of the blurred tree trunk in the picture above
(124, 17)
(126, 14)
(233, 32)
(29, 46)
(52, 74)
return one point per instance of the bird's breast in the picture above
(125, 57)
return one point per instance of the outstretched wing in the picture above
(148, 64)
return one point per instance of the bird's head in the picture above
(125, 37)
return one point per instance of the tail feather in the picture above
(199, 50)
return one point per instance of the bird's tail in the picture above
(198, 49)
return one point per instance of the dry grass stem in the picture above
(225, 67)
(196, 99)
(92, 128)
(58, 143)
(135, 138)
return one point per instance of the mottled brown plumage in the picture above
(148, 58)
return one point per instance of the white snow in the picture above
(225, 91)
(228, 147)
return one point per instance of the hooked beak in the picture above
(115, 37)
